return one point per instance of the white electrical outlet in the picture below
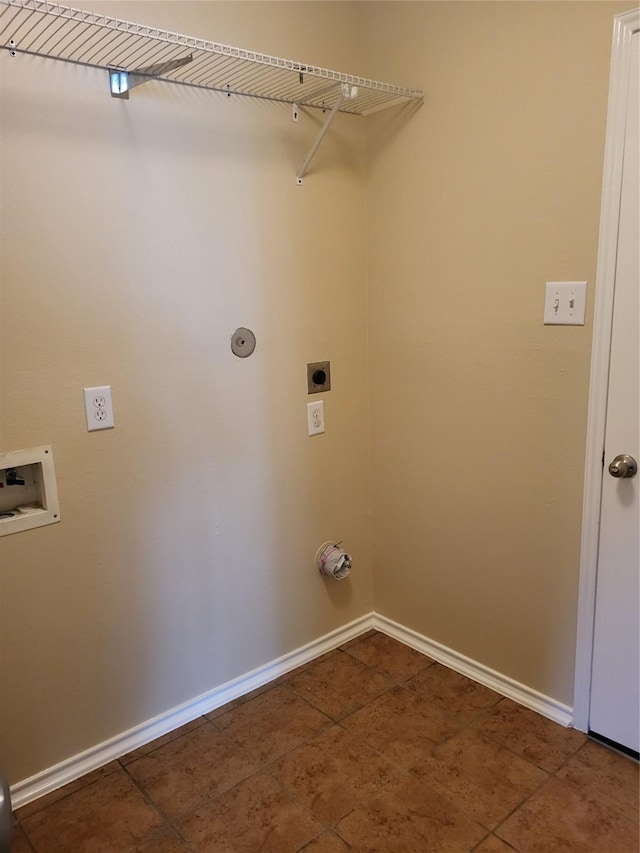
(98, 407)
(315, 417)
(565, 302)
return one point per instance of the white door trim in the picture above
(624, 27)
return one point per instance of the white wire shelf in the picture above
(46, 29)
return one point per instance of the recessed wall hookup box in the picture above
(28, 492)
(318, 377)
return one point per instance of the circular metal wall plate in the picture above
(243, 342)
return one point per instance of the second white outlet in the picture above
(315, 417)
(98, 407)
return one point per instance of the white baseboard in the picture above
(75, 767)
(502, 684)
(97, 756)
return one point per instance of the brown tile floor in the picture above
(372, 747)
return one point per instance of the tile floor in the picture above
(373, 747)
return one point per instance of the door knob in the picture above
(623, 466)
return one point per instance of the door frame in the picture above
(625, 25)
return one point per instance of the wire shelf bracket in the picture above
(121, 81)
(346, 93)
(133, 54)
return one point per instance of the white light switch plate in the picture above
(565, 303)
(98, 407)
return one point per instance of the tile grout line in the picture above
(469, 725)
(262, 770)
(550, 776)
(402, 771)
(266, 768)
(280, 681)
(168, 822)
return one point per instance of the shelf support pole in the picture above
(346, 93)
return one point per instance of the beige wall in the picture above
(136, 236)
(479, 411)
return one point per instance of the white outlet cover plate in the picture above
(315, 417)
(565, 303)
(98, 407)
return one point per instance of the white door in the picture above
(614, 711)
